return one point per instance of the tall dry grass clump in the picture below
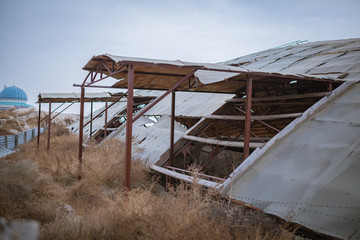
(42, 185)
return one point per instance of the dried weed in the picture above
(43, 185)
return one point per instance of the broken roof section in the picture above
(309, 172)
(163, 74)
(188, 105)
(338, 59)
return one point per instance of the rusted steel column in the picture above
(330, 87)
(39, 125)
(172, 128)
(247, 116)
(129, 121)
(91, 116)
(106, 107)
(49, 125)
(81, 126)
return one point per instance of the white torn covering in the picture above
(190, 104)
(150, 143)
(337, 59)
(309, 172)
(209, 77)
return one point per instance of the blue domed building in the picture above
(13, 97)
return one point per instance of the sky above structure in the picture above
(44, 44)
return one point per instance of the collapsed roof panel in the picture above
(158, 74)
(150, 142)
(308, 173)
(328, 59)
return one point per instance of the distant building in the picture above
(13, 97)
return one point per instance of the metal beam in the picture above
(49, 127)
(129, 121)
(172, 128)
(91, 117)
(221, 142)
(106, 115)
(39, 125)
(150, 105)
(259, 117)
(81, 129)
(264, 123)
(247, 116)
(64, 109)
(283, 97)
(104, 109)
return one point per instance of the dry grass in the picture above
(43, 185)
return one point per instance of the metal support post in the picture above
(39, 125)
(81, 128)
(172, 128)
(129, 121)
(106, 107)
(247, 116)
(49, 127)
(91, 116)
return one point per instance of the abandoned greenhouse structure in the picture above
(277, 130)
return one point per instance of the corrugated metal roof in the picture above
(4, 151)
(98, 122)
(191, 104)
(337, 59)
(309, 172)
(150, 143)
(156, 74)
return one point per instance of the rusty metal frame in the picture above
(63, 109)
(91, 117)
(260, 121)
(106, 107)
(128, 66)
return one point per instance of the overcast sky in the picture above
(45, 44)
